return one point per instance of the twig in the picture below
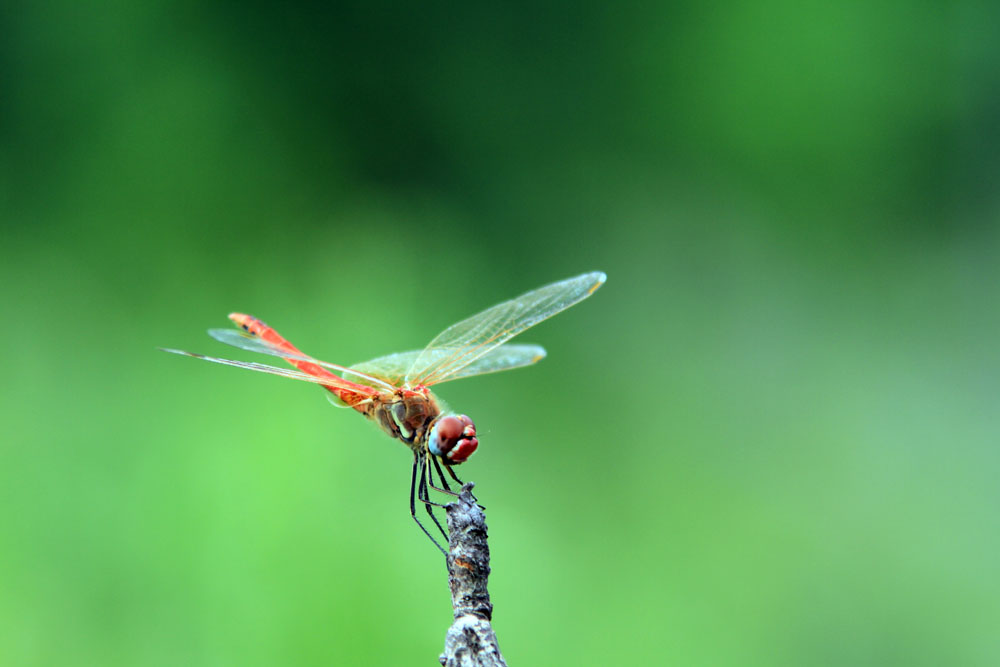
(470, 641)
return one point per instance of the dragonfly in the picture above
(394, 391)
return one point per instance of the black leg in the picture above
(424, 496)
(455, 477)
(413, 506)
(444, 483)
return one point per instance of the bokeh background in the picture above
(770, 439)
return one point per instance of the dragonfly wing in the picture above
(251, 343)
(463, 343)
(503, 358)
(329, 381)
(393, 367)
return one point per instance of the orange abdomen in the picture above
(259, 328)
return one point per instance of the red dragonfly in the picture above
(394, 391)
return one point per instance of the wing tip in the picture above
(173, 351)
(599, 277)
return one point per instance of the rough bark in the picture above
(470, 641)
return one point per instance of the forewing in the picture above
(463, 343)
(330, 381)
(251, 343)
(393, 367)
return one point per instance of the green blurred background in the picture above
(770, 439)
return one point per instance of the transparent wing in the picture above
(463, 343)
(330, 381)
(251, 343)
(393, 367)
(503, 358)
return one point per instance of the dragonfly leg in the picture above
(444, 482)
(423, 495)
(451, 472)
(413, 507)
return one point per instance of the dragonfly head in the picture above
(453, 438)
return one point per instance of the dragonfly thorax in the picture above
(407, 414)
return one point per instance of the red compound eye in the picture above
(453, 438)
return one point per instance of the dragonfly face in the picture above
(453, 438)
(393, 390)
